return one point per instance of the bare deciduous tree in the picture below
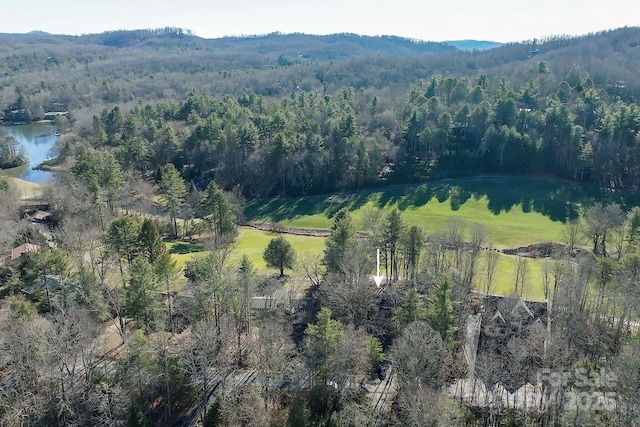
(522, 271)
(492, 257)
(420, 358)
(571, 233)
(454, 233)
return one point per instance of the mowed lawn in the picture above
(515, 211)
(505, 276)
(252, 243)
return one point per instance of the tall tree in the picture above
(599, 221)
(412, 245)
(393, 230)
(142, 298)
(171, 190)
(342, 238)
(411, 310)
(440, 313)
(166, 268)
(322, 341)
(218, 211)
(103, 176)
(420, 357)
(122, 239)
(151, 243)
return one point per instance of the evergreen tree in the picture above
(322, 341)
(440, 312)
(218, 212)
(339, 243)
(151, 243)
(412, 310)
(171, 190)
(123, 237)
(393, 229)
(142, 302)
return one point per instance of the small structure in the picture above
(25, 248)
(17, 116)
(40, 216)
(51, 115)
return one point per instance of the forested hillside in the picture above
(230, 107)
(130, 292)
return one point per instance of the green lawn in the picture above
(250, 242)
(504, 277)
(516, 211)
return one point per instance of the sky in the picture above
(439, 20)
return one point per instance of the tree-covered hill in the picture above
(165, 136)
(313, 47)
(119, 67)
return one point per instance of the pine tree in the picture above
(171, 191)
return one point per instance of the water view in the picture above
(37, 139)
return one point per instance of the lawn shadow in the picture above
(184, 248)
(556, 199)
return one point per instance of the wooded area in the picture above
(165, 136)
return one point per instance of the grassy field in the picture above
(516, 211)
(504, 279)
(250, 242)
(25, 188)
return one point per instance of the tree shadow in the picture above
(185, 248)
(556, 199)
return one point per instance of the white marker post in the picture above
(378, 278)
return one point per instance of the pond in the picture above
(37, 139)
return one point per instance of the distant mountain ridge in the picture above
(608, 59)
(316, 47)
(297, 45)
(473, 44)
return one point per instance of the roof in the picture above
(25, 248)
(41, 215)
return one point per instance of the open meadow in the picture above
(515, 211)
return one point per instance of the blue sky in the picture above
(497, 20)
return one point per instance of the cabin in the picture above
(51, 115)
(25, 248)
(16, 116)
(40, 216)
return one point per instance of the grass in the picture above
(181, 252)
(504, 278)
(250, 242)
(516, 211)
(25, 188)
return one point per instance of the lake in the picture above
(37, 140)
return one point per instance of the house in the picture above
(25, 248)
(40, 216)
(51, 115)
(16, 116)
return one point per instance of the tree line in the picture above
(313, 142)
